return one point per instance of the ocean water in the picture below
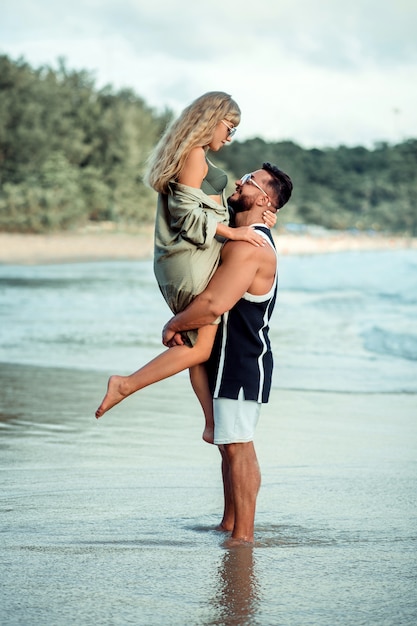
(343, 322)
(112, 522)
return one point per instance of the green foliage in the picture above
(71, 154)
(340, 188)
(51, 200)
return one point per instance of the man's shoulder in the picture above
(239, 248)
(244, 250)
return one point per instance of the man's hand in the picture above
(225, 288)
(170, 338)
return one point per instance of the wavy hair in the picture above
(194, 127)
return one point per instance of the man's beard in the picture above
(239, 204)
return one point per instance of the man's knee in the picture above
(234, 450)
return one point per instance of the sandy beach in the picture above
(114, 519)
(107, 244)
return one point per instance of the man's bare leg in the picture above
(245, 482)
(228, 520)
(166, 364)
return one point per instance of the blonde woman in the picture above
(192, 222)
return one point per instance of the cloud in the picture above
(314, 71)
(319, 31)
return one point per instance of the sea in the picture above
(112, 522)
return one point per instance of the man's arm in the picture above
(240, 262)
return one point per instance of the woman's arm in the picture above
(192, 175)
(242, 233)
(195, 168)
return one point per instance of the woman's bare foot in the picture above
(208, 434)
(116, 392)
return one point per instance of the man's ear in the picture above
(263, 201)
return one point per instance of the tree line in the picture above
(72, 154)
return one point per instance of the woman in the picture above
(192, 221)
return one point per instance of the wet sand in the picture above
(105, 244)
(111, 521)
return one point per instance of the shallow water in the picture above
(112, 522)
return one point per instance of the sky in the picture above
(321, 73)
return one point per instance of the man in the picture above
(243, 292)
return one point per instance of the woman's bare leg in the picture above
(163, 366)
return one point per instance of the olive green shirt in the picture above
(186, 247)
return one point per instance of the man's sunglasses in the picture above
(248, 178)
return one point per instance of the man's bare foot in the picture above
(208, 434)
(222, 528)
(116, 392)
(237, 543)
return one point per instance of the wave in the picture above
(401, 345)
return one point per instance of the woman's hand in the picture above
(247, 233)
(270, 218)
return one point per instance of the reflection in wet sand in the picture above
(237, 595)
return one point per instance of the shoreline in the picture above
(110, 245)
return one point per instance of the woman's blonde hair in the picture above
(194, 127)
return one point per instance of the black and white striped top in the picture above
(241, 357)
